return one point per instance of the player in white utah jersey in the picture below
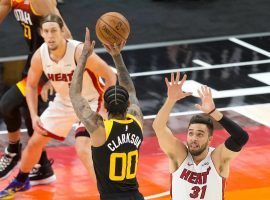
(198, 171)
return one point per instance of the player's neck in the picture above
(118, 116)
(57, 54)
(199, 158)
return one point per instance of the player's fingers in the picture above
(183, 79)
(199, 107)
(93, 44)
(200, 94)
(51, 90)
(167, 82)
(45, 96)
(203, 89)
(187, 94)
(172, 78)
(210, 91)
(177, 77)
(87, 34)
(107, 47)
(124, 43)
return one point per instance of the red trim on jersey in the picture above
(223, 187)
(80, 129)
(171, 186)
(51, 135)
(21, 5)
(97, 85)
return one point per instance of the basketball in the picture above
(112, 27)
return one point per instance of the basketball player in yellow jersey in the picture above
(117, 139)
(28, 14)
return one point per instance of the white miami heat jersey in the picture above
(60, 74)
(191, 181)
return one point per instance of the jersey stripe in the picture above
(223, 187)
(99, 88)
(22, 86)
(108, 127)
(136, 120)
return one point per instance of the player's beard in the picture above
(198, 151)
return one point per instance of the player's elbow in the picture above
(236, 143)
(157, 126)
(245, 138)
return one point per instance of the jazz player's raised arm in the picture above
(95, 64)
(174, 148)
(125, 79)
(90, 119)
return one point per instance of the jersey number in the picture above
(27, 31)
(128, 162)
(197, 191)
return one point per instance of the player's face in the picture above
(52, 34)
(198, 139)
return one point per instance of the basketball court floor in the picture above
(238, 71)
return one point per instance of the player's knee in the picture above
(35, 143)
(4, 107)
(10, 114)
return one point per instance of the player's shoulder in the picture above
(37, 53)
(137, 119)
(6, 3)
(36, 56)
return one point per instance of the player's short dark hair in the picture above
(116, 100)
(52, 18)
(201, 119)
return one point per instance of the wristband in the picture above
(211, 111)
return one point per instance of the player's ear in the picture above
(210, 138)
(41, 32)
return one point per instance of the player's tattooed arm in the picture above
(87, 116)
(125, 79)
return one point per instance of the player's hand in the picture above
(207, 104)
(37, 125)
(174, 87)
(114, 49)
(46, 90)
(88, 47)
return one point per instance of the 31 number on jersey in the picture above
(196, 191)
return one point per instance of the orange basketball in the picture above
(112, 27)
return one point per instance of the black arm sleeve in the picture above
(238, 137)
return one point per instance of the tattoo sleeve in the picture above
(90, 118)
(126, 81)
(124, 77)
